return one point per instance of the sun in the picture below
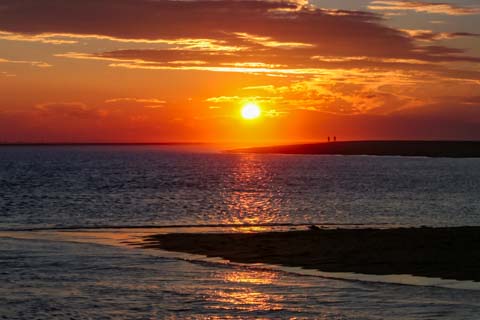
(251, 111)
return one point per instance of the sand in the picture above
(449, 253)
(450, 149)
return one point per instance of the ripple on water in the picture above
(91, 186)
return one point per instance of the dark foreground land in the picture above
(449, 253)
(450, 149)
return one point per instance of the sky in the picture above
(180, 71)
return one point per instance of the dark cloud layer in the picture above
(424, 7)
(258, 27)
(346, 32)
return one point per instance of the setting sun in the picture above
(251, 111)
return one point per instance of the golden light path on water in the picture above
(246, 297)
(255, 206)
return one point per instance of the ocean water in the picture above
(151, 185)
(47, 194)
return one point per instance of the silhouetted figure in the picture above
(334, 139)
(328, 138)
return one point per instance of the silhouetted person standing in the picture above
(328, 138)
(334, 139)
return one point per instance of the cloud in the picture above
(267, 88)
(358, 91)
(269, 42)
(276, 62)
(429, 35)
(224, 36)
(70, 38)
(423, 7)
(6, 74)
(43, 38)
(231, 25)
(38, 64)
(146, 102)
(77, 110)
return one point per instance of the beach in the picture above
(448, 253)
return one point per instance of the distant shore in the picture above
(449, 253)
(448, 149)
(82, 144)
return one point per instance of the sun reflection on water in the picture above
(253, 198)
(243, 293)
(251, 276)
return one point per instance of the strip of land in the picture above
(449, 253)
(448, 149)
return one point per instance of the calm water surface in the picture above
(127, 186)
(44, 187)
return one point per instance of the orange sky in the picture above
(154, 71)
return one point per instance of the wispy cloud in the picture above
(269, 42)
(38, 64)
(424, 7)
(146, 102)
(429, 35)
(173, 44)
(77, 110)
(43, 38)
(6, 74)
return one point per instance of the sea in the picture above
(70, 217)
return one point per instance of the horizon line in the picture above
(176, 143)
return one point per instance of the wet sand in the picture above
(449, 253)
(449, 149)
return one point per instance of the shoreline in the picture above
(431, 149)
(448, 253)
